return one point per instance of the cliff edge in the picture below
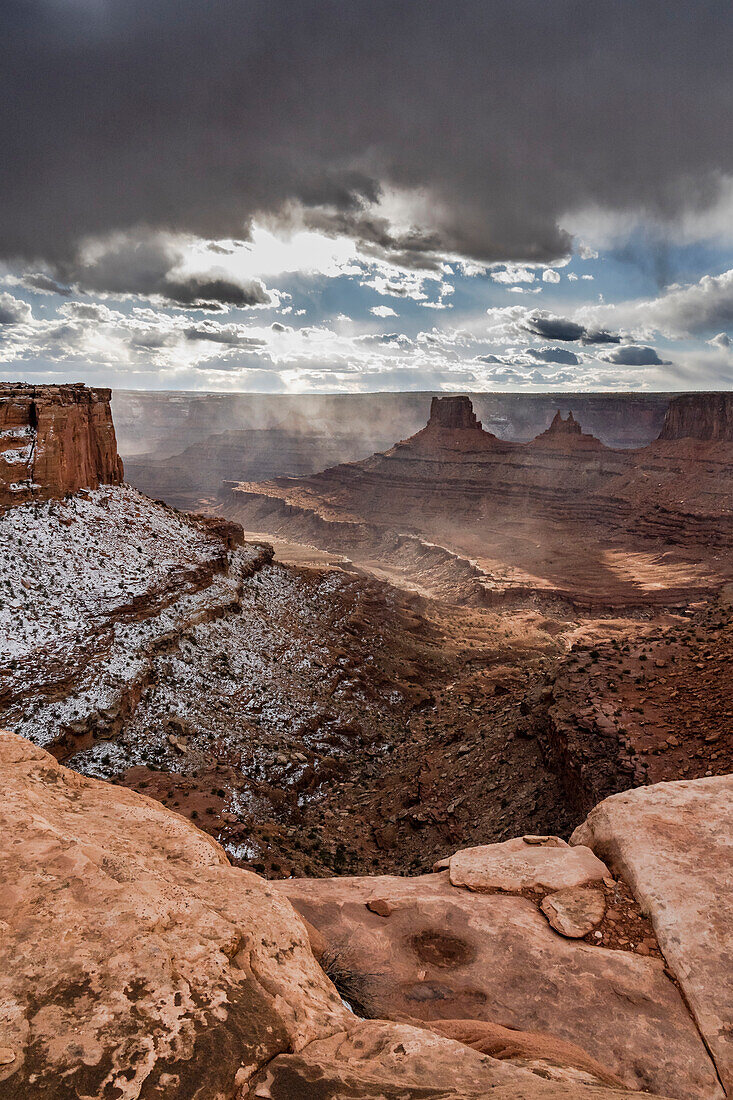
(55, 440)
(707, 416)
(174, 974)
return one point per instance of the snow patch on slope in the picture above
(66, 564)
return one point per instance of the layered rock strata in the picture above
(164, 424)
(561, 518)
(55, 440)
(199, 473)
(93, 587)
(706, 416)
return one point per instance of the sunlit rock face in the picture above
(138, 963)
(188, 448)
(55, 440)
(477, 518)
(475, 950)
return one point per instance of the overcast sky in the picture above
(287, 195)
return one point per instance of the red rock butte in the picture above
(567, 434)
(453, 425)
(55, 440)
(568, 427)
(453, 412)
(498, 519)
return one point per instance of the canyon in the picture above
(561, 518)
(402, 774)
(182, 447)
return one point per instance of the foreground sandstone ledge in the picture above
(673, 843)
(425, 948)
(136, 962)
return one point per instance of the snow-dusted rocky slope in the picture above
(306, 718)
(88, 587)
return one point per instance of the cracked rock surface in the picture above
(430, 949)
(673, 843)
(137, 963)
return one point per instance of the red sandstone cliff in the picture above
(452, 412)
(707, 416)
(453, 428)
(55, 440)
(510, 518)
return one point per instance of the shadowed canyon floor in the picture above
(333, 711)
(311, 719)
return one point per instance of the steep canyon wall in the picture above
(55, 440)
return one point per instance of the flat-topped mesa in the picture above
(704, 416)
(566, 435)
(453, 433)
(452, 413)
(55, 440)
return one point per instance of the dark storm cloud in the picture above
(555, 328)
(555, 355)
(186, 116)
(413, 249)
(210, 293)
(634, 355)
(230, 335)
(561, 328)
(600, 336)
(45, 283)
(149, 266)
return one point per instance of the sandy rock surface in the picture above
(673, 842)
(442, 952)
(135, 960)
(380, 1061)
(516, 864)
(137, 964)
(574, 912)
(543, 1053)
